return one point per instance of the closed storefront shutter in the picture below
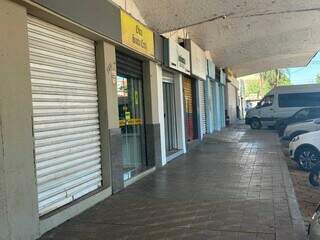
(222, 106)
(218, 106)
(129, 66)
(202, 108)
(65, 114)
(188, 98)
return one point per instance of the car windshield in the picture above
(266, 101)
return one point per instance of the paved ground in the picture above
(236, 186)
(307, 195)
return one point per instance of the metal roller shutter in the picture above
(65, 114)
(202, 108)
(189, 114)
(127, 65)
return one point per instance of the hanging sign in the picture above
(176, 57)
(137, 36)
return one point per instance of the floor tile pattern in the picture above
(234, 186)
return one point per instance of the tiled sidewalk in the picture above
(235, 186)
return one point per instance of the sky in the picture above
(304, 75)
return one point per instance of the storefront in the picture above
(211, 101)
(176, 64)
(86, 100)
(131, 114)
(195, 92)
(232, 102)
(170, 118)
(65, 114)
(222, 86)
(133, 91)
(79, 100)
(190, 108)
(203, 110)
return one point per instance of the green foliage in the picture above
(252, 87)
(318, 78)
(265, 81)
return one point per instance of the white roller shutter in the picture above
(65, 114)
(202, 108)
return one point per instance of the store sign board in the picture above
(211, 69)
(177, 57)
(198, 60)
(137, 36)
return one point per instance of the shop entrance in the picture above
(190, 109)
(65, 115)
(170, 121)
(131, 115)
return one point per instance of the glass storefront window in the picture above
(131, 122)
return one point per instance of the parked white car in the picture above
(296, 129)
(282, 102)
(305, 149)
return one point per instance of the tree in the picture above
(259, 84)
(274, 78)
(318, 78)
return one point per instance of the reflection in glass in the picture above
(131, 121)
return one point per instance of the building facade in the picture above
(91, 101)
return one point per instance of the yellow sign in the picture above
(130, 122)
(136, 35)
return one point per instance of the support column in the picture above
(153, 91)
(181, 130)
(18, 193)
(109, 116)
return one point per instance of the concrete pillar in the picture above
(181, 130)
(153, 92)
(161, 121)
(109, 115)
(18, 195)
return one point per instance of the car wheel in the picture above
(281, 130)
(255, 123)
(307, 158)
(314, 178)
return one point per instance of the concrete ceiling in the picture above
(247, 36)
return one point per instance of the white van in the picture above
(283, 102)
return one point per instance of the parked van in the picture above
(283, 102)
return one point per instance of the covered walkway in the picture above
(234, 186)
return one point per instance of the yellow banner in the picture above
(136, 35)
(131, 122)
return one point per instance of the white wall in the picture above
(180, 112)
(130, 7)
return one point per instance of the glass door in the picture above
(131, 121)
(170, 122)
